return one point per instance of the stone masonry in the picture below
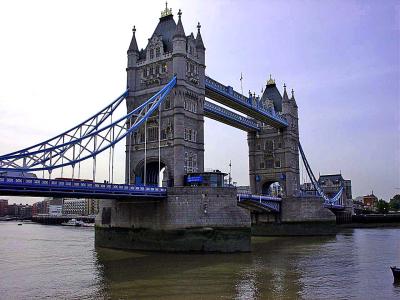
(169, 52)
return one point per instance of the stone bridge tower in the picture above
(169, 52)
(273, 153)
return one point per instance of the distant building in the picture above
(3, 207)
(41, 207)
(81, 207)
(55, 210)
(25, 211)
(20, 210)
(370, 202)
(331, 184)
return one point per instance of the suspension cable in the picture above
(145, 152)
(159, 146)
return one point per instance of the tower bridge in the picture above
(163, 132)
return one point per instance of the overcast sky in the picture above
(61, 61)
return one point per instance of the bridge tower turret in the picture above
(273, 153)
(169, 52)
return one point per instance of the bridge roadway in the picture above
(20, 186)
(36, 187)
(226, 95)
(229, 117)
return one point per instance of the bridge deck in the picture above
(19, 186)
(227, 96)
(228, 117)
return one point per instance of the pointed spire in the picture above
(285, 95)
(292, 99)
(133, 47)
(270, 80)
(179, 31)
(199, 40)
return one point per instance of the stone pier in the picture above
(299, 216)
(199, 219)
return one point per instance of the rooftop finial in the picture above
(284, 86)
(179, 13)
(292, 93)
(134, 29)
(167, 11)
(198, 26)
(270, 80)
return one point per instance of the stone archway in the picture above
(272, 188)
(152, 173)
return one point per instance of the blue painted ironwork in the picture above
(87, 146)
(229, 93)
(336, 202)
(89, 125)
(76, 188)
(229, 117)
(269, 203)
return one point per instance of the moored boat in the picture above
(396, 273)
(72, 222)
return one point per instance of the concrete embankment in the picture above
(374, 220)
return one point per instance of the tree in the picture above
(395, 202)
(383, 207)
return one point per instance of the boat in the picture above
(396, 273)
(72, 222)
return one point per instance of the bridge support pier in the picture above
(299, 216)
(199, 219)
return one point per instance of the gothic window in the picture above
(191, 68)
(269, 146)
(164, 134)
(186, 161)
(151, 53)
(258, 147)
(194, 162)
(164, 68)
(151, 70)
(277, 163)
(158, 52)
(262, 166)
(269, 163)
(135, 138)
(167, 104)
(152, 134)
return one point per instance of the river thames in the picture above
(55, 262)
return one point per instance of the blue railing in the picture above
(269, 202)
(230, 116)
(72, 187)
(230, 93)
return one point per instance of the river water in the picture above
(55, 262)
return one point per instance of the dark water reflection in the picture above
(56, 262)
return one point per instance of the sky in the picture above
(62, 61)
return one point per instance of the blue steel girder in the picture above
(86, 127)
(20, 186)
(226, 95)
(229, 117)
(260, 203)
(336, 202)
(89, 145)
